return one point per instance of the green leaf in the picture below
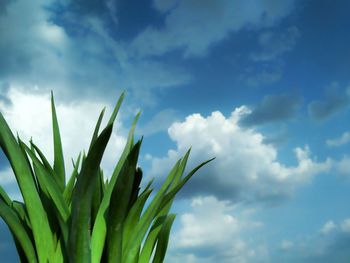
(4, 196)
(97, 128)
(118, 209)
(48, 184)
(43, 158)
(22, 213)
(79, 242)
(169, 196)
(57, 209)
(139, 231)
(151, 239)
(58, 165)
(97, 196)
(18, 231)
(135, 213)
(38, 218)
(100, 226)
(163, 239)
(68, 191)
(116, 109)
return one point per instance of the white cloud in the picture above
(6, 176)
(342, 167)
(245, 168)
(185, 21)
(328, 227)
(198, 228)
(210, 232)
(29, 114)
(345, 225)
(286, 244)
(343, 139)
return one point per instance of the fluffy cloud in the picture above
(245, 168)
(273, 108)
(30, 115)
(185, 21)
(343, 139)
(211, 233)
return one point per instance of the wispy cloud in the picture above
(161, 121)
(186, 20)
(343, 139)
(275, 44)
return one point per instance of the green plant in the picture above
(88, 218)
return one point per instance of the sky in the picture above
(263, 86)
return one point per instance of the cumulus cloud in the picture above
(185, 21)
(273, 108)
(275, 44)
(343, 139)
(29, 114)
(211, 233)
(245, 168)
(333, 102)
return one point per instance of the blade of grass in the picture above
(48, 184)
(169, 196)
(116, 109)
(139, 231)
(4, 196)
(79, 242)
(67, 194)
(163, 238)
(135, 213)
(97, 128)
(43, 158)
(151, 239)
(100, 226)
(18, 231)
(118, 209)
(21, 211)
(38, 218)
(58, 165)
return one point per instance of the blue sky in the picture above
(264, 86)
